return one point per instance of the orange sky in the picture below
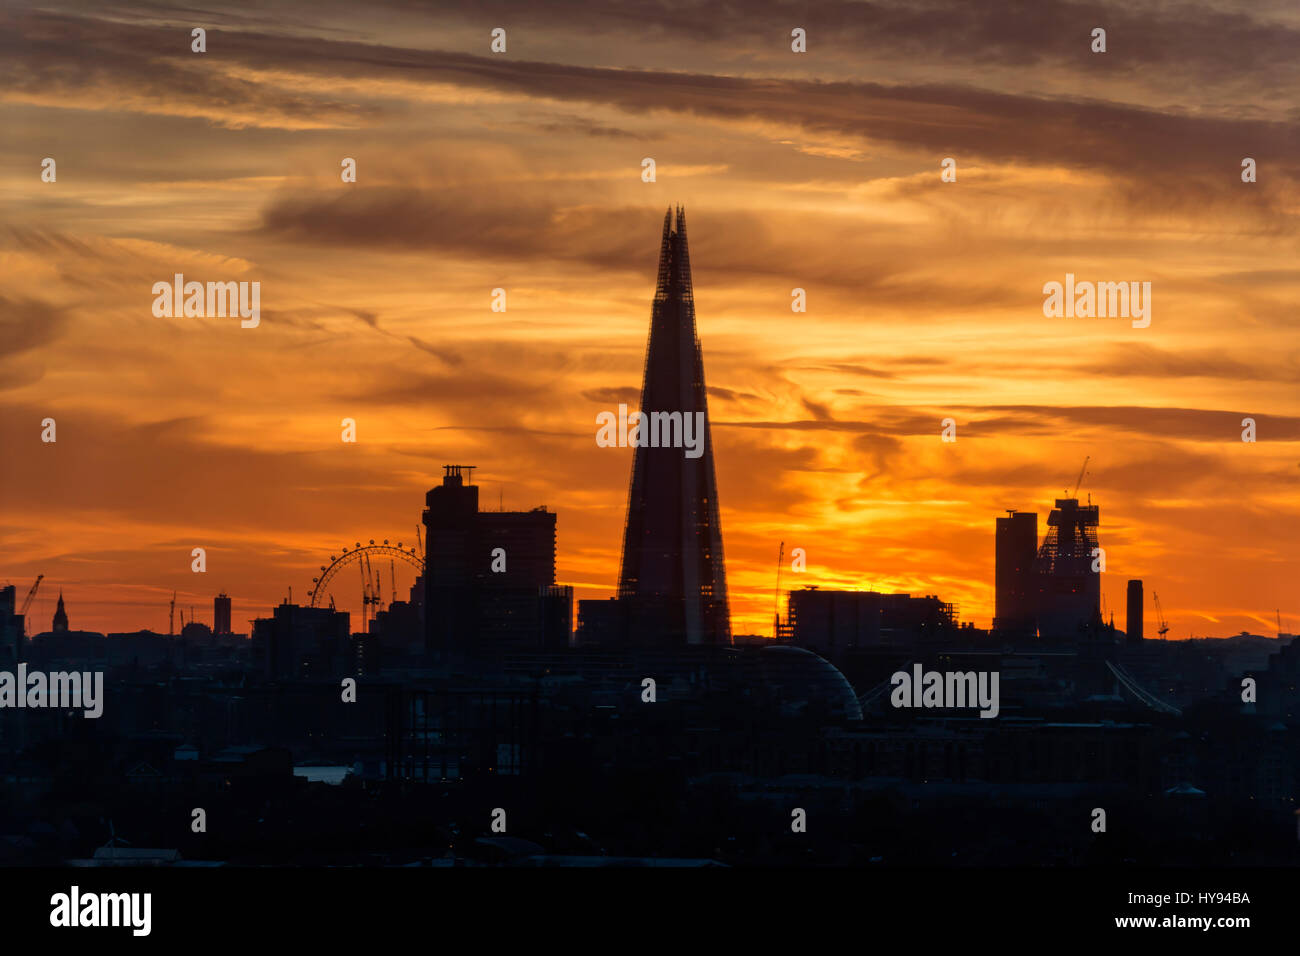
(522, 170)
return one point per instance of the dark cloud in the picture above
(1148, 361)
(27, 325)
(992, 421)
(63, 54)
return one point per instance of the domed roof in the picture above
(801, 683)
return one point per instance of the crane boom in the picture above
(27, 601)
(1078, 481)
(1163, 629)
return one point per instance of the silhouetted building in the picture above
(487, 574)
(831, 622)
(221, 614)
(11, 623)
(557, 617)
(1014, 592)
(1069, 591)
(1133, 627)
(601, 622)
(673, 575)
(60, 617)
(450, 517)
(300, 643)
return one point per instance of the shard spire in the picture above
(673, 575)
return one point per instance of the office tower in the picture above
(11, 623)
(673, 578)
(1134, 628)
(221, 614)
(487, 574)
(1069, 591)
(449, 541)
(1014, 590)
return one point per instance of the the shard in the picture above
(673, 582)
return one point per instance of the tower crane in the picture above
(1163, 628)
(776, 597)
(171, 617)
(27, 602)
(1078, 481)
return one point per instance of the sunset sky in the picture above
(522, 170)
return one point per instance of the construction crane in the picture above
(776, 597)
(27, 602)
(1163, 629)
(171, 617)
(365, 592)
(1078, 481)
(392, 578)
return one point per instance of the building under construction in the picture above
(1069, 590)
(1054, 593)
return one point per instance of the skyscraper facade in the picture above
(1014, 591)
(673, 578)
(488, 574)
(221, 614)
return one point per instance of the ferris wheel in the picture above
(366, 557)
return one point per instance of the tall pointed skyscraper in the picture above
(673, 582)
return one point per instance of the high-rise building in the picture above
(487, 574)
(450, 516)
(11, 624)
(60, 623)
(673, 578)
(1069, 591)
(1014, 590)
(1134, 628)
(221, 614)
